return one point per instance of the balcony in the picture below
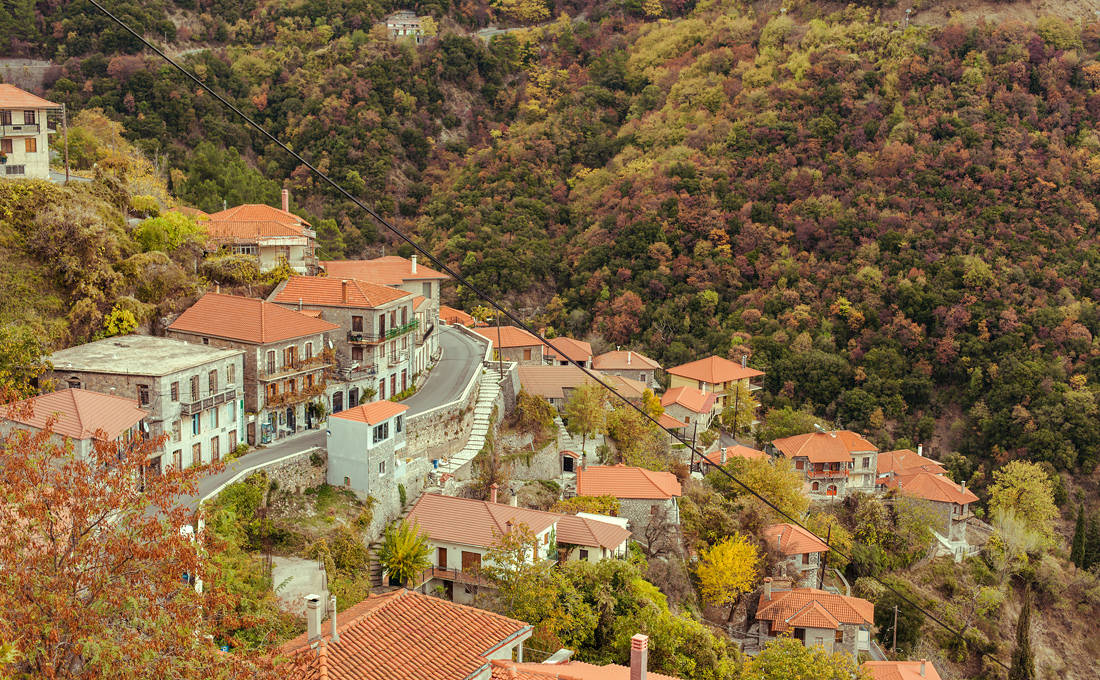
(395, 360)
(199, 405)
(827, 474)
(24, 129)
(295, 397)
(351, 369)
(323, 360)
(456, 575)
(368, 337)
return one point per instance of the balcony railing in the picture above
(322, 360)
(192, 407)
(397, 359)
(24, 129)
(826, 474)
(371, 337)
(456, 575)
(295, 397)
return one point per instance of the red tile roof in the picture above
(714, 370)
(473, 522)
(418, 300)
(404, 635)
(390, 270)
(671, 423)
(372, 413)
(931, 487)
(905, 461)
(900, 670)
(455, 316)
(627, 387)
(11, 97)
(824, 447)
(231, 230)
(739, 451)
(690, 398)
(330, 292)
(510, 336)
(246, 320)
(577, 350)
(570, 670)
(584, 531)
(787, 606)
(550, 382)
(791, 539)
(257, 212)
(622, 481)
(78, 414)
(624, 360)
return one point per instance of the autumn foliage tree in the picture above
(727, 570)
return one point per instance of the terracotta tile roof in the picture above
(900, 670)
(813, 615)
(11, 97)
(330, 292)
(786, 604)
(824, 447)
(624, 360)
(932, 487)
(246, 320)
(622, 481)
(577, 350)
(404, 635)
(473, 522)
(714, 370)
(791, 539)
(570, 670)
(257, 212)
(550, 382)
(510, 336)
(417, 301)
(452, 316)
(739, 451)
(628, 387)
(193, 213)
(78, 414)
(690, 398)
(390, 270)
(904, 461)
(671, 423)
(372, 413)
(576, 530)
(232, 230)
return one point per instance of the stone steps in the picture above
(483, 411)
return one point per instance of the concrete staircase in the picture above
(483, 411)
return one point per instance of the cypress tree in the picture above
(1077, 547)
(1091, 552)
(1023, 660)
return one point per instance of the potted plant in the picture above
(3, 158)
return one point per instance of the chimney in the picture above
(313, 616)
(639, 656)
(584, 460)
(493, 492)
(286, 200)
(515, 499)
(344, 291)
(628, 353)
(923, 663)
(332, 616)
(920, 449)
(744, 360)
(299, 304)
(413, 258)
(767, 587)
(218, 289)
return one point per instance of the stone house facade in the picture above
(833, 464)
(836, 623)
(514, 344)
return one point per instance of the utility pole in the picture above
(692, 463)
(65, 126)
(894, 647)
(500, 351)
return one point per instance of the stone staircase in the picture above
(483, 411)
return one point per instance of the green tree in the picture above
(727, 571)
(22, 359)
(1077, 545)
(740, 409)
(584, 411)
(533, 414)
(775, 480)
(214, 176)
(785, 422)
(404, 552)
(167, 232)
(1023, 659)
(600, 505)
(1025, 490)
(788, 659)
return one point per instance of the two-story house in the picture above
(690, 405)
(512, 343)
(423, 283)
(80, 417)
(364, 447)
(462, 531)
(836, 623)
(645, 496)
(272, 236)
(193, 393)
(714, 375)
(402, 634)
(285, 358)
(405, 24)
(24, 135)
(570, 350)
(834, 464)
(949, 503)
(375, 349)
(629, 364)
(799, 553)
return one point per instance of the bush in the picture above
(316, 459)
(401, 493)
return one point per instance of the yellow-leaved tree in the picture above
(728, 570)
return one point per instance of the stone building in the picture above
(629, 364)
(285, 358)
(799, 552)
(512, 343)
(645, 496)
(24, 135)
(272, 236)
(833, 464)
(836, 623)
(193, 393)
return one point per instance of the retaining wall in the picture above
(299, 473)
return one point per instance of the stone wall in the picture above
(543, 464)
(300, 473)
(439, 433)
(413, 475)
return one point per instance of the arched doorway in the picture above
(290, 418)
(831, 491)
(337, 402)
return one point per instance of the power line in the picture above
(502, 310)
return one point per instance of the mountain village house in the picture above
(285, 360)
(455, 317)
(575, 350)
(405, 24)
(836, 623)
(379, 332)
(512, 343)
(192, 393)
(629, 364)
(271, 236)
(461, 532)
(402, 634)
(24, 134)
(800, 553)
(556, 383)
(901, 670)
(365, 444)
(833, 464)
(714, 375)
(644, 495)
(80, 417)
(691, 406)
(422, 283)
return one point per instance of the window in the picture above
(247, 249)
(428, 289)
(309, 380)
(271, 361)
(31, 145)
(194, 388)
(206, 341)
(382, 388)
(398, 423)
(74, 383)
(404, 315)
(212, 380)
(5, 117)
(805, 558)
(381, 324)
(231, 374)
(405, 342)
(347, 481)
(196, 454)
(143, 395)
(526, 355)
(232, 440)
(381, 432)
(584, 555)
(15, 169)
(815, 486)
(831, 491)
(5, 144)
(29, 118)
(393, 318)
(309, 350)
(292, 386)
(232, 408)
(357, 324)
(839, 636)
(215, 448)
(404, 380)
(196, 424)
(272, 390)
(799, 465)
(356, 353)
(381, 467)
(175, 391)
(393, 384)
(290, 356)
(177, 430)
(214, 416)
(177, 459)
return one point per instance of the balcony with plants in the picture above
(323, 360)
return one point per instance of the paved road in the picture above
(284, 447)
(462, 356)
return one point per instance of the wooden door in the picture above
(470, 561)
(441, 558)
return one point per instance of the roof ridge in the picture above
(77, 412)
